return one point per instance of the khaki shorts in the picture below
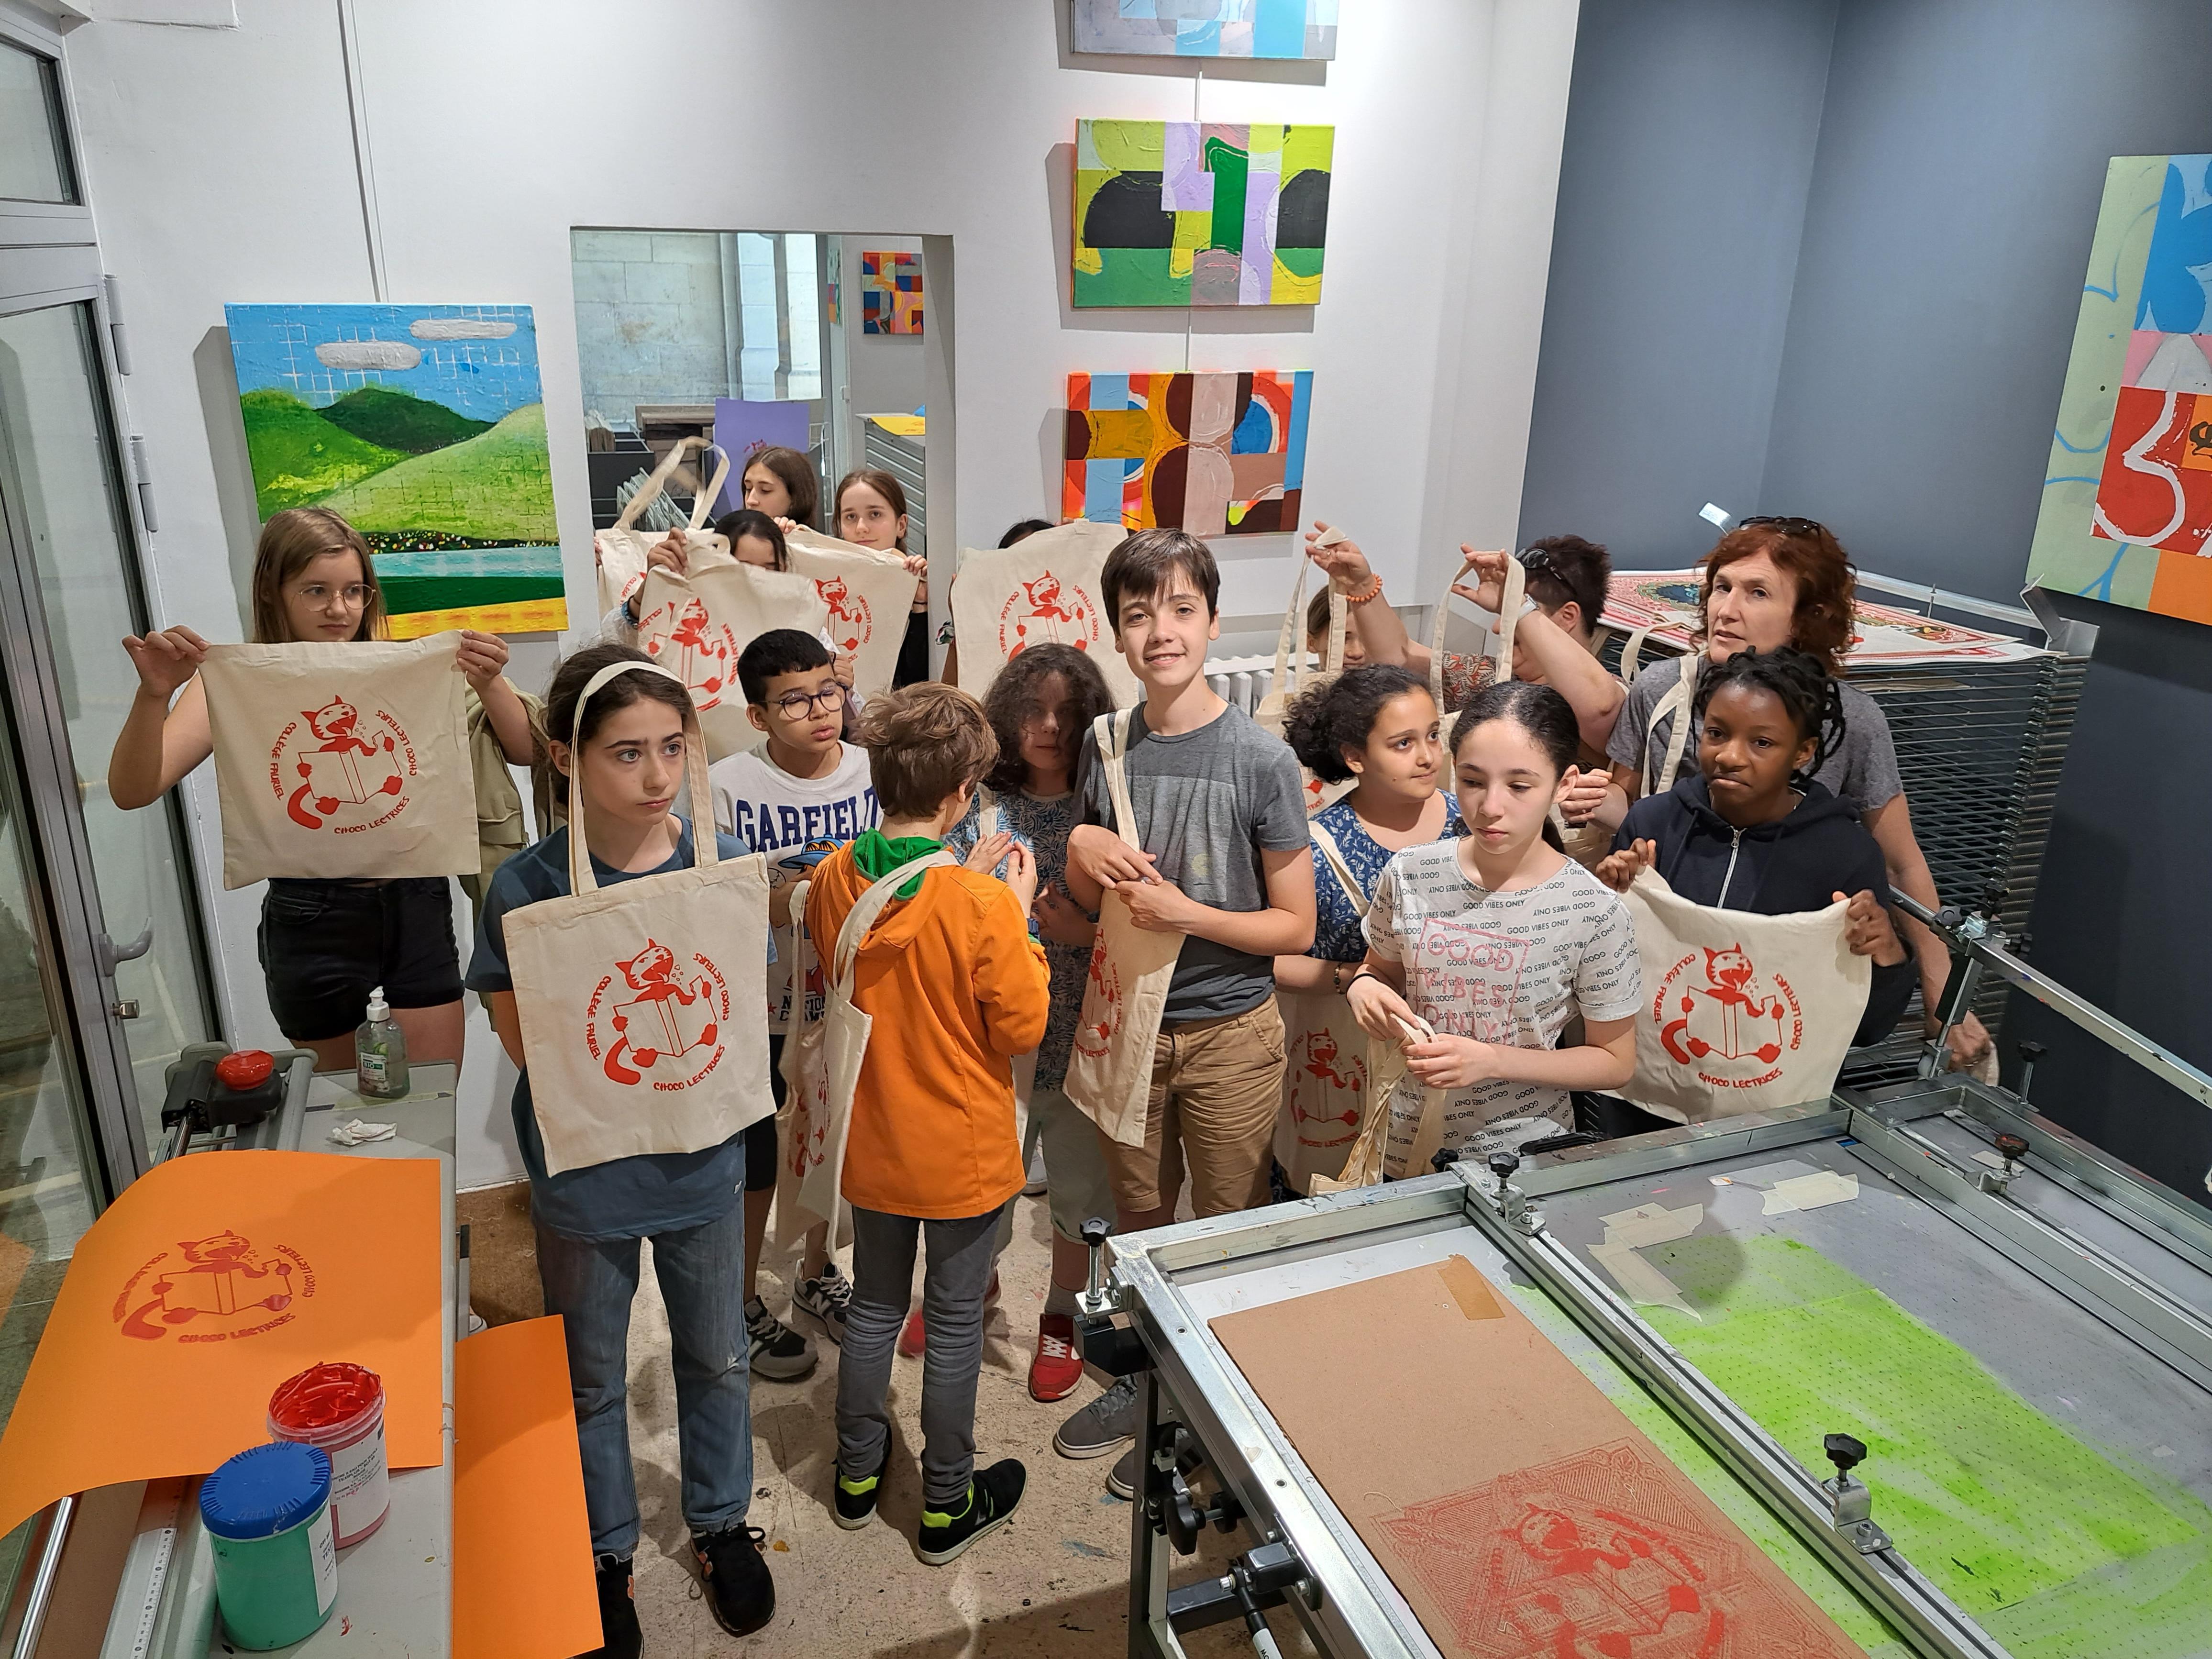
(1217, 1089)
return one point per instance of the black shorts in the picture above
(760, 1140)
(325, 944)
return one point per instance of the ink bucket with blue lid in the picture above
(268, 1515)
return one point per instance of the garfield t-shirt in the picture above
(785, 817)
(1501, 968)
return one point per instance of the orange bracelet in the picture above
(1373, 593)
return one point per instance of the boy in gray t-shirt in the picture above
(1221, 823)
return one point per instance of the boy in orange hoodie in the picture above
(956, 988)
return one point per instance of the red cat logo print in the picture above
(333, 770)
(1102, 1004)
(213, 1290)
(851, 622)
(663, 1021)
(1717, 1014)
(1046, 611)
(1320, 1079)
(683, 639)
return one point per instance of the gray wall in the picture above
(1910, 185)
(1691, 131)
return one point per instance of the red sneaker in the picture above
(1057, 1366)
(911, 1337)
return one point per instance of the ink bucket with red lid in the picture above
(340, 1407)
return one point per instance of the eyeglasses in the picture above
(797, 705)
(1787, 525)
(352, 597)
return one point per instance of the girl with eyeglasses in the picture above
(324, 944)
(1772, 582)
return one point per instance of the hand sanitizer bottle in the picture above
(379, 1048)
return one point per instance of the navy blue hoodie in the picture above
(1796, 863)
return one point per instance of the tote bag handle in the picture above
(704, 854)
(657, 481)
(1292, 674)
(865, 909)
(1679, 698)
(1112, 730)
(1508, 618)
(1333, 857)
(702, 505)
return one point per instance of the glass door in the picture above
(61, 487)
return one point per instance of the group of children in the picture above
(974, 844)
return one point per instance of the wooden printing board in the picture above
(1518, 1510)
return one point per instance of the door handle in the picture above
(112, 956)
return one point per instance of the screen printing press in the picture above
(1911, 1370)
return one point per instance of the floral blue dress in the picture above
(1337, 935)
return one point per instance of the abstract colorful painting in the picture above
(1185, 213)
(424, 426)
(1207, 29)
(2127, 498)
(890, 293)
(1214, 454)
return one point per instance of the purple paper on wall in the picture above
(742, 427)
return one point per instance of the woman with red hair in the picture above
(1771, 582)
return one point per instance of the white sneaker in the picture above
(1035, 1185)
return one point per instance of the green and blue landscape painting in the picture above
(425, 426)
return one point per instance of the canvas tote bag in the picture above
(1043, 590)
(825, 1077)
(619, 550)
(339, 760)
(627, 994)
(1363, 1166)
(1742, 1012)
(1109, 1073)
(866, 597)
(1677, 703)
(988, 824)
(1326, 1086)
(698, 624)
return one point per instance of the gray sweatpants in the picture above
(957, 1268)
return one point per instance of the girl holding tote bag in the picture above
(324, 944)
(1495, 939)
(1374, 728)
(617, 967)
(1760, 906)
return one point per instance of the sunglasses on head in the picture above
(1787, 525)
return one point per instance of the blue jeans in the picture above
(702, 1274)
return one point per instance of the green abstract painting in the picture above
(1190, 213)
(425, 427)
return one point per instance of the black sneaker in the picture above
(991, 1496)
(1121, 1479)
(826, 1298)
(619, 1636)
(738, 1587)
(856, 1499)
(775, 1350)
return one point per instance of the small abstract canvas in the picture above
(1188, 213)
(890, 293)
(2127, 497)
(1207, 29)
(1213, 454)
(424, 426)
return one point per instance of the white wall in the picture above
(221, 165)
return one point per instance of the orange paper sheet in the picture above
(516, 1476)
(208, 1283)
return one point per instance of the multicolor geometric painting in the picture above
(1214, 454)
(425, 427)
(1207, 29)
(1185, 213)
(2127, 498)
(890, 293)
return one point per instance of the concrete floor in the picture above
(1054, 1581)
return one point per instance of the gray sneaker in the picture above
(1101, 1426)
(775, 1350)
(1121, 1479)
(826, 1299)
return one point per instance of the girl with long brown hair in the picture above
(324, 944)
